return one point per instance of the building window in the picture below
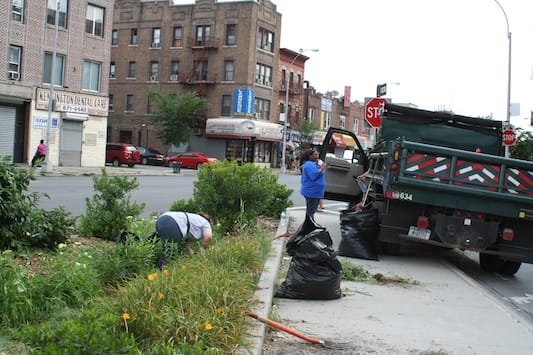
(130, 100)
(91, 76)
(94, 20)
(151, 106)
(15, 54)
(263, 74)
(154, 71)
(201, 70)
(58, 70)
(262, 109)
(226, 105)
(17, 10)
(156, 37)
(202, 35)
(132, 69)
(231, 34)
(134, 38)
(342, 122)
(174, 70)
(311, 114)
(114, 37)
(112, 70)
(110, 108)
(228, 70)
(266, 40)
(62, 13)
(356, 125)
(178, 37)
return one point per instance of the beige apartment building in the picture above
(228, 52)
(74, 125)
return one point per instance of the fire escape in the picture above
(198, 78)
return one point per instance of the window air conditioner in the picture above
(173, 77)
(268, 83)
(153, 78)
(156, 44)
(13, 75)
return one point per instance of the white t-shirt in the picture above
(198, 224)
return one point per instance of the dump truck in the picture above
(440, 179)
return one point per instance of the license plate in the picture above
(420, 233)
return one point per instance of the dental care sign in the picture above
(72, 102)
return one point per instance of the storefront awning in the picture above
(242, 128)
(339, 142)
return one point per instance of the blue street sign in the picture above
(243, 101)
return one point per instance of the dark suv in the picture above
(122, 153)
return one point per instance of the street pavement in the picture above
(440, 311)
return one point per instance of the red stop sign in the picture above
(509, 137)
(373, 111)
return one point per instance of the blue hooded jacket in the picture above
(313, 181)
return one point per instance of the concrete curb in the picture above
(265, 293)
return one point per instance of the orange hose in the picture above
(284, 328)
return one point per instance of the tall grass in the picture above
(109, 298)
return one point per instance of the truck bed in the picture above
(459, 179)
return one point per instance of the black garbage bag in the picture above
(359, 232)
(314, 271)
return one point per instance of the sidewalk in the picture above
(447, 312)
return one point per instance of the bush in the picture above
(235, 195)
(22, 223)
(108, 212)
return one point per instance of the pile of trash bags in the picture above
(315, 271)
(359, 232)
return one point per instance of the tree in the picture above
(307, 131)
(523, 149)
(177, 114)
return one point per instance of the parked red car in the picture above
(192, 160)
(122, 153)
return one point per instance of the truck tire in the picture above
(490, 262)
(510, 267)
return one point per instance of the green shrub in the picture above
(108, 211)
(22, 223)
(235, 195)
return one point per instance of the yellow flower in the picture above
(165, 272)
(208, 326)
(220, 311)
(152, 277)
(161, 296)
(125, 316)
(183, 266)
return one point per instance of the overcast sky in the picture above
(445, 54)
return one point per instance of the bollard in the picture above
(176, 167)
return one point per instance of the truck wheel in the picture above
(510, 267)
(490, 262)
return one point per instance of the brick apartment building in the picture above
(82, 42)
(228, 52)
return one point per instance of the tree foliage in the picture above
(177, 115)
(307, 131)
(523, 149)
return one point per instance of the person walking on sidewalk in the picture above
(313, 181)
(178, 227)
(40, 154)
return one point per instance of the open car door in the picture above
(346, 159)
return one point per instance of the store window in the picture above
(262, 152)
